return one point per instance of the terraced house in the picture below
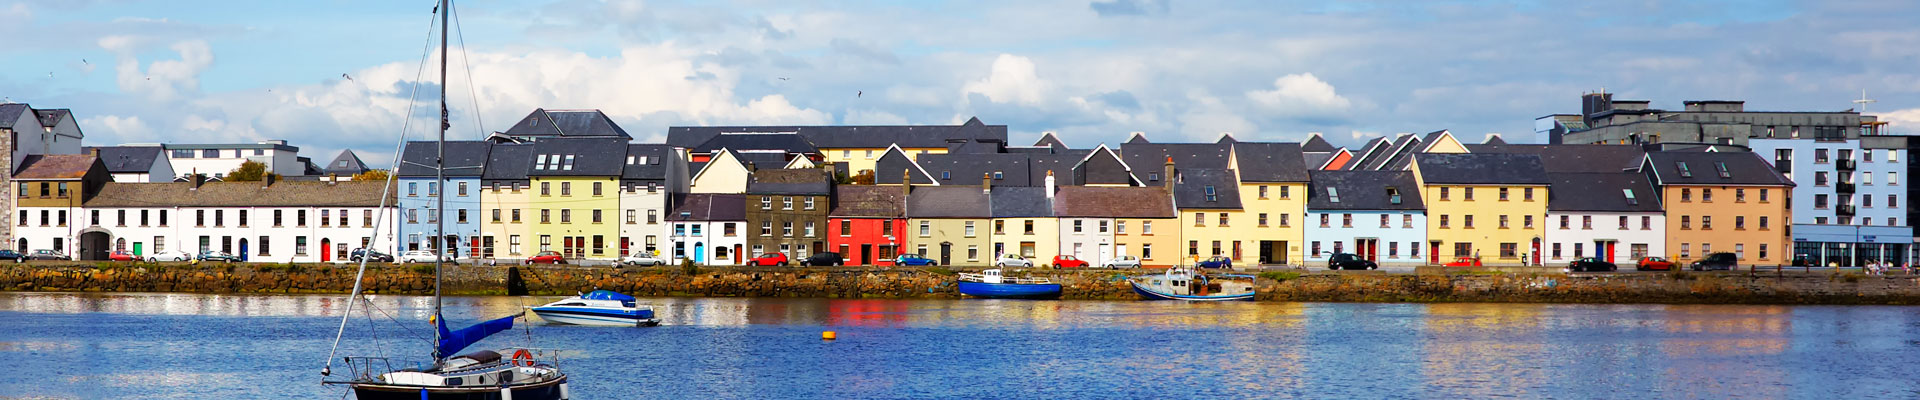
(1376, 215)
(464, 164)
(50, 191)
(508, 223)
(1024, 224)
(868, 223)
(651, 172)
(949, 223)
(788, 213)
(267, 221)
(1131, 213)
(576, 184)
(1483, 205)
(1273, 177)
(1729, 202)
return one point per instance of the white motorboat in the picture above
(598, 308)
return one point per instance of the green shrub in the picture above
(688, 267)
(1280, 276)
(423, 269)
(941, 271)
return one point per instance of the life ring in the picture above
(522, 358)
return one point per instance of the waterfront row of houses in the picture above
(573, 182)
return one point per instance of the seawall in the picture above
(1445, 286)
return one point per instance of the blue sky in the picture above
(1092, 70)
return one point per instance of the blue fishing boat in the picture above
(992, 285)
(1182, 283)
(597, 308)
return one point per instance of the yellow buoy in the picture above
(828, 335)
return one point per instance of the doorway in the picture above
(325, 246)
(93, 246)
(1605, 249)
(1433, 252)
(866, 254)
(243, 249)
(1367, 248)
(946, 253)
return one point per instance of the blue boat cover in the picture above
(452, 342)
(607, 295)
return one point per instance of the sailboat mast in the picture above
(440, 183)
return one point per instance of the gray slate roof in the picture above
(51, 116)
(464, 158)
(872, 136)
(1048, 139)
(1191, 192)
(1316, 144)
(948, 202)
(1315, 160)
(1602, 192)
(1481, 169)
(1568, 158)
(1743, 168)
(592, 156)
(1113, 202)
(785, 141)
(1363, 190)
(966, 169)
(1368, 153)
(1152, 156)
(1270, 162)
(869, 201)
(1017, 202)
(508, 162)
(243, 194)
(809, 181)
(347, 163)
(710, 207)
(127, 159)
(543, 123)
(8, 112)
(655, 167)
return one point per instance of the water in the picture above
(216, 346)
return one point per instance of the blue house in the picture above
(465, 162)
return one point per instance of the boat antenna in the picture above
(386, 193)
(440, 183)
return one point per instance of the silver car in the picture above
(1122, 262)
(1012, 261)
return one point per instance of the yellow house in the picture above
(505, 200)
(949, 224)
(1273, 192)
(1212, 220)
(1024, 224)
(1723, 202)
(1483, 205)
(574, 200)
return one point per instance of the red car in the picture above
(1465, 262)
(768, 260)
(1065, 261)
(1653, 263)
(547, 257)
(122, 256)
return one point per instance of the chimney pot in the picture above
(986, 183)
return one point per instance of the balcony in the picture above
(1846, 210)
(1844, 188)
(1844, 164)
(1783, 166)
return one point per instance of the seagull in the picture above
(83, 61)
(858, 93)
(49, 74)
(783, 78)
(349, 78)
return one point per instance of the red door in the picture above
(1433, 253)
(325, 250)
(1536, 251)
(1608, 250)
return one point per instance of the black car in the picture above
(218, 256)
(374, 257)
(1591, 264)
(12, 255)
(1349, 261)
(1716, 261)
(826, 259)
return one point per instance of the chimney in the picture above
(196, 179)
(1049, 185)
(266, 181)
(906, 189)
(1167, 178)
(95, 152)
(986, 183)
(333, 178)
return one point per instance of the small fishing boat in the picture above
(992, 284)
(597, 308)
(1183, 283)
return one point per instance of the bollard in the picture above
(828, 335)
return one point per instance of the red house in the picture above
(868, 223)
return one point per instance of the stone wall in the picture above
(1703, 288)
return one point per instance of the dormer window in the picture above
(945, 175)
(1153, 177)
(540, 162)
(1211, 195)
(1722, 166)
(1630, 199)
(997, 175)
(1393, 195)
(569, 164)
(629, 160)
(1333, 195)
(1684, 172)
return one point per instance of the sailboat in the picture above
(485, 374)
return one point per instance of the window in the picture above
(1146, 227)
(1528, 221)
(1315, 248)
(326, 218)
(1211, 195)
(1285, 220)
(1285, 193)
(926, 229)
(846, 227)
(766, 202)
(1146, 251)
(1503, 194)
(1443, 193)
(1443, 222)
(1820, 156)
(1463, 249)
(566, 215)
(786, 203)
(1763, 222)
(1511, 250)
(516, 215)
(1556, 251)
(633, 216)
(1893, 178)
(1646, 222)
(973, 252)
(1739, 195)
(566, 188)
(1527, 194)
(1223, 219)
(1706, 222)
(1393, 249)
(809, 229)
(433, 189)
(1193, 248)
(1383, 221)
(1263, 193)
(1346, 220)
(766, 228)
(1763, 248)
(299, 245)
(1686, 222)
(1820, 201)
(1565, 222)
(1120, 227)
(728, 230)
(809, 203)
(1466, 193)
(1199, 219)
(1866, 178)
(596, 215)
(1586, 222)
(1263, 220)
(1326, 217)
(1706, 195)
(1467, 221)
(546, 188)
(1579, 250)
(1623, 222)
(1763, 195)
(1077, 225)
(1686, 195)
(546, 216)
(1503, 221)
(1820, 178)
(1406, 220)
(1028, 228)
(969, 229)
(463, 189)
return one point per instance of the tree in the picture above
(250, 171)
(864, 178)
(372, 175)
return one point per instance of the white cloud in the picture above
(164, 80)
(1209, 117)
(872, 117)
(1301, 95)
(1012, 80)
(1907, 120)
(125, 129)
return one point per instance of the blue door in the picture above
(699, 252)
(243, 250)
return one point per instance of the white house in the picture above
(215, 160)
(652, 174)
(1615, 217)
(132, 164)
(1376, 215)
(287, 221)
(709, 229)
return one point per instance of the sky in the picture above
(335, 74)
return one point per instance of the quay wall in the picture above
(1293, 285)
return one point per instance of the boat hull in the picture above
(595, 317)
(1150, 294)
(1010, 290)
(550, 390)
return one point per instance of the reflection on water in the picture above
(184, 345)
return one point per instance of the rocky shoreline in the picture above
(1439, 285)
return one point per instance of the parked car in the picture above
(1653, 264)
(1802, 261)
(546, 257)
(1121, 262)
(1349, 261)
(1465, 262)
(914, 260)
(160, 256)
(1717, 261)
(44, 254)
(122, 255)
(217, 256)
(642, 258)
(370, 255)
(1066, 261)
(423, 256)
(1215, 262)
(1012, 261)
(768, 260)
(824, 259)
(1590, 264)
(12, 255)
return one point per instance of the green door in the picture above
(136, 250)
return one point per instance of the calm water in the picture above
(207, 346)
